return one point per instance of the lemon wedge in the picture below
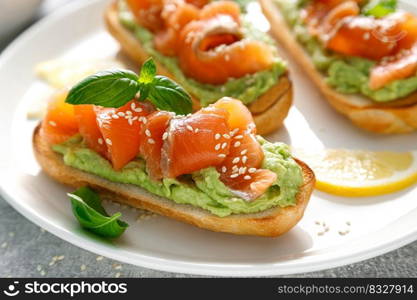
(357, 173)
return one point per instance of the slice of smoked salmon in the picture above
(120, 128)
(152, 138)
(400, 66)
(176, 14)
(88, 128)
(240, 170)
(193, 143)
(239, 115)
(216, 8)
(223, 61)
(59, 123)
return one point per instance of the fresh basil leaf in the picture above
(148, 71)
(380, 8)
(87, 208)
(107, 88)
(166, 94)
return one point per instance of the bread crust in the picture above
(269, 110)
(272, 222)
(399, 116)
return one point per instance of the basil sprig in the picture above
(87, 208)
(380, 8)
(117, 87)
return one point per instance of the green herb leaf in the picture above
(106, 88)
(87, 208)
(148, 71)
(166, 94)
(380, 8)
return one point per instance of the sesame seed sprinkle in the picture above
(196, 130)
(100, 141)
(237, 144)
(165, 136)
(239, 137)
(217, 147)
(52, 123)
(234, 175)
(226, 136)
(151, 141)
(190, 128)
(115, 116)
(108, 142)
(222, 155)
(121, 114)
(148, 132)
(224, 169)
(247, 177)
(244, 159)
(217, 136)
(236, 160)
(224, 145)
(243, 152)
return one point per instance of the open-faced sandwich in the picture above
(209, 168)
(211, 49)
(361, 54)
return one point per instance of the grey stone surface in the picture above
(27, 251)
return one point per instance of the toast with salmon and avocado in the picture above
(137, 143)
(211, 49)
(361, 54)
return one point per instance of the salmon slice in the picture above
(176, 14)
(147, 13)
(88, 128)
(239, 115)
(59, 123)
(152, 138)
(240, 170)
(193, 143)
(221, 61)
(216, 8)
(120, 128)
(400, 66)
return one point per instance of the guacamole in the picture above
(247, 88)
(349, 75)
(203, 188)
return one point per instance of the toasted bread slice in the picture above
(399, 116)
(269, 110)
(272, 222)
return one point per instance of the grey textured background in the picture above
(28, 251)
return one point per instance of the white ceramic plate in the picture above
(378, 224)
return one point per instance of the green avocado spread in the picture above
(203, 188)
(247, 88)
(346, 74)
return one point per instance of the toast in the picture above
(399, 116)
(272, 222)
(269, 110)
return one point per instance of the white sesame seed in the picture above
(224, 145)
(151, 141)
(189, 128)
(239, 137)
(235, 169)
(236, 160)
(234, 131)
(224, 169)
(242, 170)
(196, 130)
(252, 170)
(148, 132)
(222, 155)
(237, 144)
(115, 116)
(128, 112)
(217, 136)
(217, 147)
(100, 141)
(243, 152)
(247, 177)
(226, 136)
(234, 175)
(244, 159)
(108, 142)
(133, 105)
(52, 123)
(99, 258)
(120, 113)
(165, 136)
